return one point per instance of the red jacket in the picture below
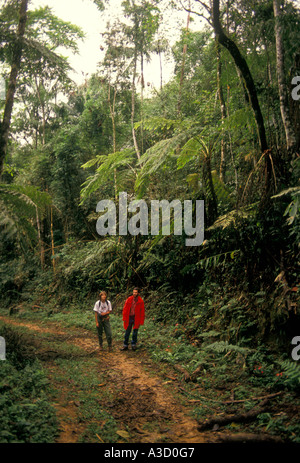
(139, 312)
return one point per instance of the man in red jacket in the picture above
(133, 317)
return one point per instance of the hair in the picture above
(102, 293)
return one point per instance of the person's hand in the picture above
(97, 324)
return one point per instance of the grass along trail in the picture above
(143, 404)
(139, 397)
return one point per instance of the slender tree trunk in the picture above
(283, 92)
(112, 106)
(142, 101)
(52, 240)
(16, 62)
(184, 51)
(133, 107)
(42, 104)
(210, 196)
(41, 245)
(112, 115)
(160, 70)
(223, 113)
(230, 147)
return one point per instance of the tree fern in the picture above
(196, 146)
(108, 164)
(160, 124)
(154, 159)
(21, 206)
(232, 217)
(217, 259)
(222, 191)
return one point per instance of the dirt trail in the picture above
(144, 396)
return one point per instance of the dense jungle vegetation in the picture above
(225, 129)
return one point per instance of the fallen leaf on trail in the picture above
(100, 438)
(123, 434)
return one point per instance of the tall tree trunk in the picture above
(16, 62)
(142, 102)
(42, 104)
(133, 107)
(184, 51)
(40, 241)
(112, 106)
(223, 113)
(231, 147)
(160, 69)
(245, 71)
(52, 239)
(242, 65)
(210, 196)
(283, 92)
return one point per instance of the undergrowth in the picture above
(26, 413)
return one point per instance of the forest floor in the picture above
(120, 396)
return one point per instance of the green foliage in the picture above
(290, 375)
(154, 159)
(108, 164)
(82, 268)
(224, 347)
(26, 415)
(21, 206)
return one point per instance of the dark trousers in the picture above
(128, 331)
(104, 324)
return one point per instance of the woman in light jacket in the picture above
(102, 310)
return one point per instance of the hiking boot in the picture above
(124, 348)
(133, 347)
(110, 349)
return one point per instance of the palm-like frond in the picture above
(155, 158)
(221, 190)
(20, 207)
(287, 192)
(160, 124)
(108, 164)
(232, 217)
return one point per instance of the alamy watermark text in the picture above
(157, 221)
(296, 89)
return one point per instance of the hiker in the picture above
(133, 317)
(102, 310)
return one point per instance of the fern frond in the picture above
(231, 218)
(97, 160)
(105, 171)
(217, 259)
(221, 191)
(189, 151)
(19, 208)
(155, 158)
(158, 123)
(223, 346)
